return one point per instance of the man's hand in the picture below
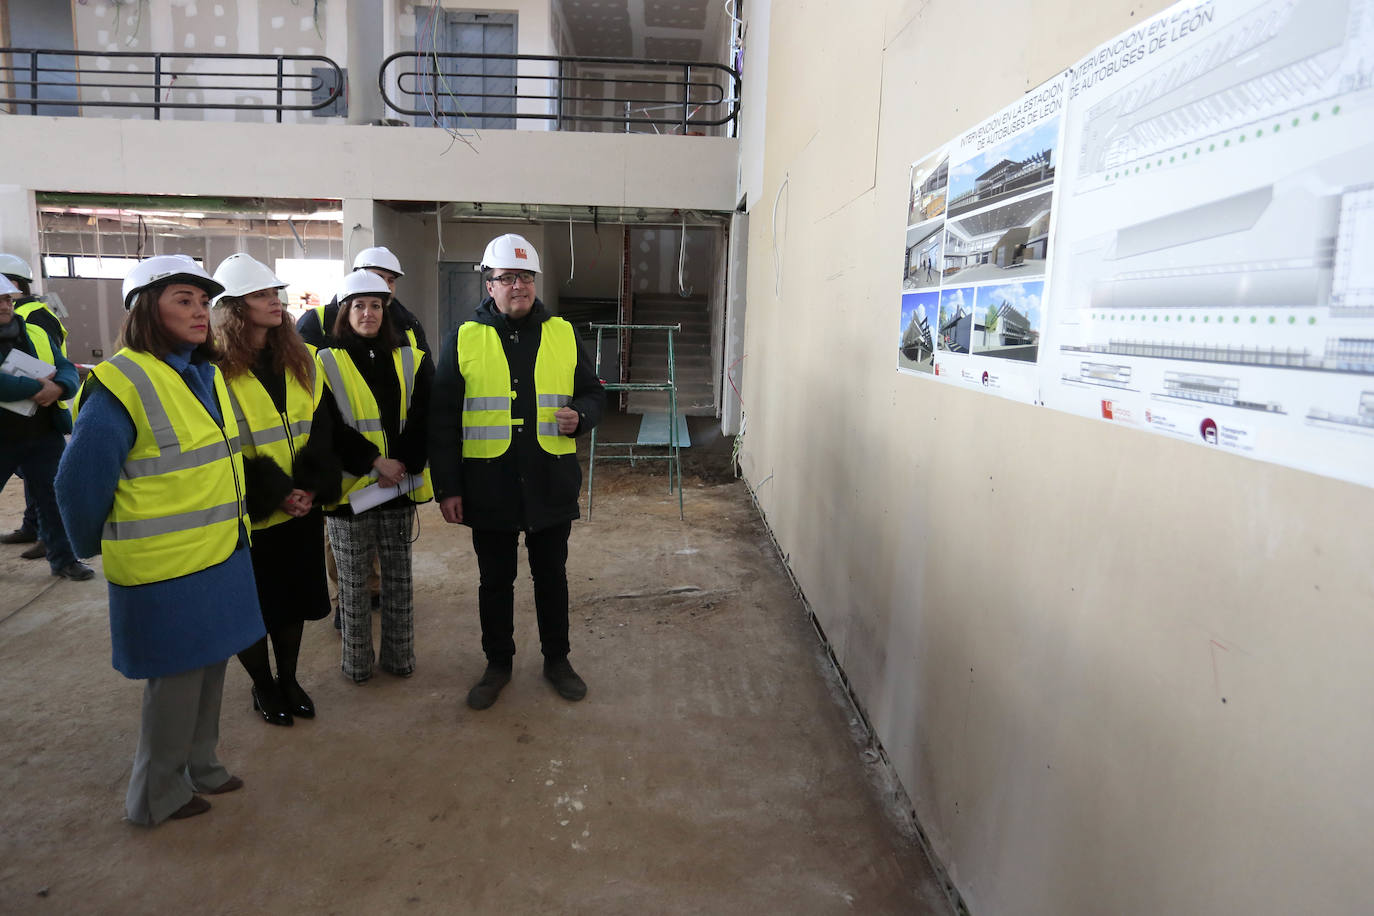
(451, 507)
(567, 420)
(48, 394)
(390, 472)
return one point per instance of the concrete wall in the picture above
(382, 163)
(1115, 673)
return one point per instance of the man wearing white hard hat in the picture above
(512, 390)
(316, 325)
(35, 312)
(33, 425)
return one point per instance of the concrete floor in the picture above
(714, 767)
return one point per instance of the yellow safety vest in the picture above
(42, 348)
(319, 313)
(34, 305)
(360, 410)
(267, 433)
(488, 393)
(179, 501)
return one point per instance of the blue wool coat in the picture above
(162, 628)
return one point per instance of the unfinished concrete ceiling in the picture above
(692, 30)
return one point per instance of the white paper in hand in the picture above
(371, 497)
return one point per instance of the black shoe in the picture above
(37, 552)
(196, 805)
(271, 705)
(297, 700)
(485, 691)
(76, 571)
(19, 536)
(565, 680)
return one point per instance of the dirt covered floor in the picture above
(714, 767)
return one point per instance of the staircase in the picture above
(691, 351)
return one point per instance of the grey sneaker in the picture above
(565, 680)
(485, 691)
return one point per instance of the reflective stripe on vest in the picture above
(179, 499)
(267, 433)
(358, 407)
(488, 391)
(34, 305)
(42, 348)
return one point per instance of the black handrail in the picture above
(433, 86)
(44, 64)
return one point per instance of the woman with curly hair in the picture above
(286, 431)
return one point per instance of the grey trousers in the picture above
(176, 744)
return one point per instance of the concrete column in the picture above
(735, 297)
(365, 52)
(19, 228)
(359, 227)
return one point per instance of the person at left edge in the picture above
(33, 444)
(285, 429)
(35, 312)
(153, 481)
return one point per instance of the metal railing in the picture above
(34, 78)
(460, 90)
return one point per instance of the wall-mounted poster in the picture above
(980, 217)
(1214, 277)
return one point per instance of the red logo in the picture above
(1106, 410)
(520, 253)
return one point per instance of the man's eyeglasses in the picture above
(523, 276)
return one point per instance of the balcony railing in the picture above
(567, 92)
(36, 78)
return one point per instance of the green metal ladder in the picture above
(674, 449)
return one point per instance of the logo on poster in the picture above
(985, 380)
(1208, 430)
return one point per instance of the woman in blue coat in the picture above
(153, 481)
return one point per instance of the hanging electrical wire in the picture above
(682, 291)
(572, 252)
(777, 258)
(439, 229)
(305, 253)
(432, 26)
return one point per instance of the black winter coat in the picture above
(526, 488)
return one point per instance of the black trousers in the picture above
(496, 559)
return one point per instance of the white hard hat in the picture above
(363, 283)
(164, 269)
(378, 257)
(14, 266)
(241, 274)
(7, 287)
(511, 251)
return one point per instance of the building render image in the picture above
(1086, 669)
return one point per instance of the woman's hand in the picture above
(298, 503)
(390, 472)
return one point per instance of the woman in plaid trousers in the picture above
(381, 387)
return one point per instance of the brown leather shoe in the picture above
(196, 805)
(18, 536)
(232, 784)
(36, 552)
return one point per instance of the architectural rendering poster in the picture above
(1215, 237)
(979, 222)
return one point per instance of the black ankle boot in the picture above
(269, 702)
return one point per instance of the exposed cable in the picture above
(439, 229)
(682, 291)
(572, 252)
(305, 253)
(777, 260)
